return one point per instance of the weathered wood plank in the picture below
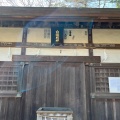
(106, 109)
(83, 90)
(86, 59)
(4, 108)
(11, 107)
(100, 110)
(117, 109)
(109, 110)
(88, 99)
(114, 109)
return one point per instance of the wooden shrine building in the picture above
(59, 57)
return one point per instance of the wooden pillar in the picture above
(24, 40)
(90, 40)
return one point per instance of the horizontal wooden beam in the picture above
(65, 46)
(104, 65)
(105, 95)
(59, 19)
(86, 59)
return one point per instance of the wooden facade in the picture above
(81, 86)
(28, 82)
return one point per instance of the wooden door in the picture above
(104, 105)
(55, 84)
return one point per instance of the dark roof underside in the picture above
(60, 14)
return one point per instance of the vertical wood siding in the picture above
(10, 109)
(51, 84)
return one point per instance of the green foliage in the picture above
(118, 5)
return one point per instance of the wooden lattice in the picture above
(9, 77)
(101, 78)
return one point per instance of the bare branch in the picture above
(61, 3)
(104, 3)
(22, 2)
(12, 2)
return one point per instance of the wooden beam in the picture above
(105, 96)
(60, 19)
(105, 65)
(86, 59)
(65, 46)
